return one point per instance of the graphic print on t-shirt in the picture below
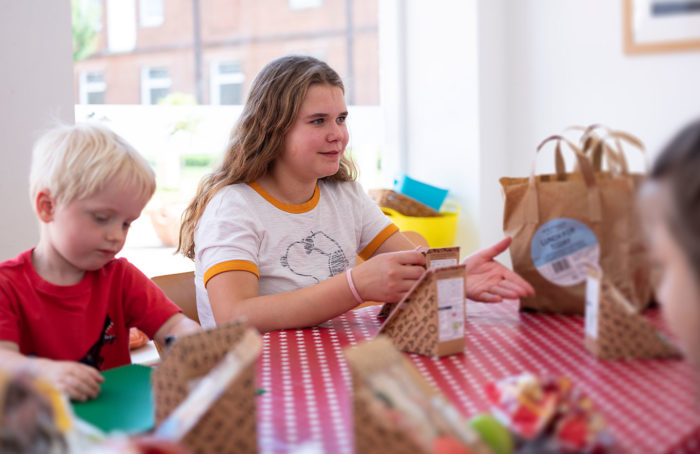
(317, 256)
(93, 357)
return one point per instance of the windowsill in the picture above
(146, 252)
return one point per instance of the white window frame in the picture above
(304, 4)
(151, 13)
(85, 87)
(148, 83)
(217, 79)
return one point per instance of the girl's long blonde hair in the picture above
(257, 138)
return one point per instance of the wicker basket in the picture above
(404, 204)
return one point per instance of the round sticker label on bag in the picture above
(561, 248)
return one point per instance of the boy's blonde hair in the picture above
(256, 140)
(75, 162)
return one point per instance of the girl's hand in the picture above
(387, 277)
(488, 281)
(79, 381)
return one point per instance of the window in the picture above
(155, 84)
(151, 13)
(92, 87)
(92, 10)
(304, 4)
(226, 83)
(205, 79)
(121, 26)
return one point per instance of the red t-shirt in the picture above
(87, 322)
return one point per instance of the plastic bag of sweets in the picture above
(548, 415)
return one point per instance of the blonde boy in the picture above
(66, 305)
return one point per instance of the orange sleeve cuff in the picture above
(231, 265)
(373, 245)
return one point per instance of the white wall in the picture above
(493, 108)
(548, 64)
(487, 80)
(566, 66)
(442, 126)
(36, 88)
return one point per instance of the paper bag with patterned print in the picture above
(614, 328)
(396, 410)
(434, 257)
(204, 390)
(429, 320)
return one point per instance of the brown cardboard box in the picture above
(430, 319)
(228, 425)
(614, 329)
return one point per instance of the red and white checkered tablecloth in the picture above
(306, 408)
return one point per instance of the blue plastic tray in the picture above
(423, 192)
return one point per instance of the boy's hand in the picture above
(177, 325)
(387, 277)
(78, 381)
(489, 281)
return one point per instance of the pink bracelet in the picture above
(351, 284)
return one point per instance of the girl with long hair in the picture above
(275, 229)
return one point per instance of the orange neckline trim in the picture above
(289, 208)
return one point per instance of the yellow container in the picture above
(440, 231)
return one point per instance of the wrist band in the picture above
(351, 284)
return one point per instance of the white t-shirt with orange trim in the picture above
(243, 228)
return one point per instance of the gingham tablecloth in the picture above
(306, 408)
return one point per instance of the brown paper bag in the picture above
(395, 410)
(429, 320)
(434, 257)
(614, 329)
(610, 146)
(229, 424)
(562, 222)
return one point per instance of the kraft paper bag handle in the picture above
(615, 158)
(598, 148)
(617, 163)
(583, 163)
(622, 136)
(531, 196)
(559, 163)
(593, 144)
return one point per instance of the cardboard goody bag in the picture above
(434, 257)
(563, 222)
(204, 390)
(395, 410)
(614, 329)
(429, 320)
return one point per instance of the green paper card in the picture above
(125, 403)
